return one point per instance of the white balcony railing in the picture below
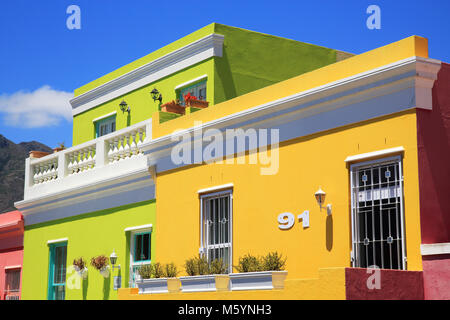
(45, 175)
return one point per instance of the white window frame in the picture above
(203, 233)
(133, 231)
(361, 165)
(15, 293)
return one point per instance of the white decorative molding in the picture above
(57, 240)
(137, 228)
(184, 84)
(216, 188)
(435, 248)
(427, 71)
(375, 154)
(371, 94)
(189, 55)
(105, 116)
(13, 267)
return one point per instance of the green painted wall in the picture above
(253, 60)
(250, 61)
(141, 104)
(89, 235)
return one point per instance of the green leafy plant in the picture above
(99, 262)
(202, 265)
(158, 270)
(191, 267)
(145, 271)
(80, 263)
(273, 261)
(170, 270)
(218, 266)
(249, 263)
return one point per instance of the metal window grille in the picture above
(377, 214)
(216, 227)
(12, 284)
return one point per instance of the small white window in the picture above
(216, 226)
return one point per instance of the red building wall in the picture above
(433, 137)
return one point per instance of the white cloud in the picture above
(41, 108)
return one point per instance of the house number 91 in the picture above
(286, 220)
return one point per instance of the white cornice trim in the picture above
(184, 84)
(391, 70)
(216, 188)
(193, 53)
(143, 227)
(435, 248)
(57, 240)
(105, 116)
(374, 154)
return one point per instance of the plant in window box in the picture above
(173, 106)
(101, 263)
(158, 278)
(256, 273)
(192, 101)
(204, 276)
(80, 267)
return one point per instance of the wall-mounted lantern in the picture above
(113, 259)
(156, 95)
(124, 107)
(320, 197)
(117, 279)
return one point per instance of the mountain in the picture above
(12, 170)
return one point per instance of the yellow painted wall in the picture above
(305, 164)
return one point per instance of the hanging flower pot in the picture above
(105, 271)
(101, 263)
(197, 104)
(80, 267)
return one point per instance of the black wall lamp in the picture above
(124, 107)
(156, 95)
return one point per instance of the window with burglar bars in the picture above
(57, 272)
(377, 214)
(12, 284)
(216, 227)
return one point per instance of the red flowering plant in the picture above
(188, 97)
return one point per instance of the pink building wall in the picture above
(11, 245)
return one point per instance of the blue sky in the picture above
(41, 59)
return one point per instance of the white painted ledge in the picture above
(57, 240)
(216, 188)
(374, 154)
(13, 267)
(105, 116)
(184, 84)
(136, 228)
(435, 248)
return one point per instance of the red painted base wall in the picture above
(393, 285)
(436, 277)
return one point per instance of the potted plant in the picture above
(158, 278)
(80, 267)
(61, 146)
(203, 276)
(192, 101)
(173, 107)
(256, 273)
(101, 263)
